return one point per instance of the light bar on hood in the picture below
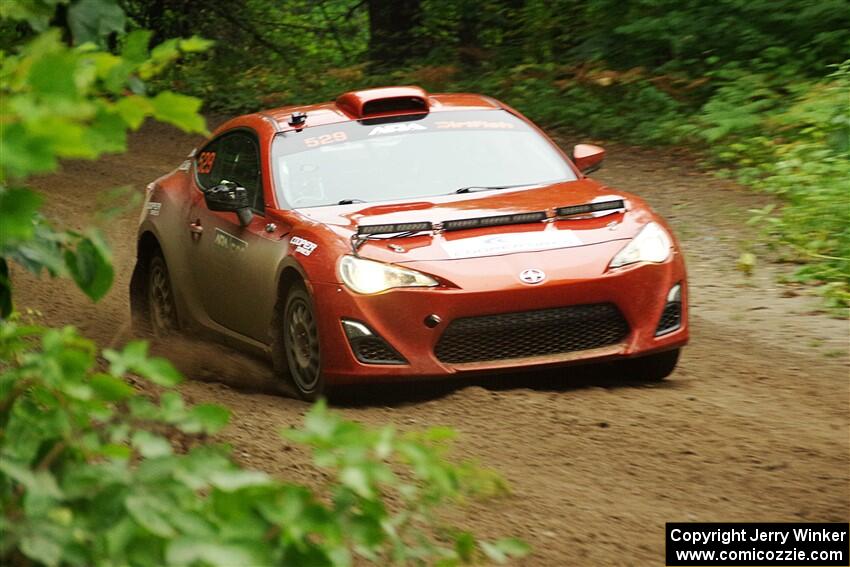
(500, 220)
(394, 228)
(590, 208)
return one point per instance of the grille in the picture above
(374, 350)
(531, 333)
(671, 318)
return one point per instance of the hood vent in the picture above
(485, 222)
(500, 220)
(590, 208)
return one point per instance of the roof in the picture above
(347, 106)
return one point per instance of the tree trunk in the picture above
(392, 26)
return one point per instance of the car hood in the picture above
(490, 241)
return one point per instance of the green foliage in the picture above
(91, 473)
(94, 20)
(74, 102)
(63, 102)
(791, 138)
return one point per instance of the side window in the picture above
(234, 157)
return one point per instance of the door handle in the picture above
(195, 227)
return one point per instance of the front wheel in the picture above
(651, 368)
(162, 307)
(297, 349)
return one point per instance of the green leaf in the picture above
(209, 418)
(746, 263)
(159, 371)
(134, 353)
(114, 451)
(134, 358)
(172, 407)
(151, 445)
(41, 482)
(356, 479)
(17, 211)
(195, 44)
(36, 14)
(53, 75)
(500, 551)
(193, 551)
(135, 48)
(150, 513)
(24, 153)
(110, 388)
(107, 132)
(236, 479)
(133, 109)
(43, 250)
(179, 110)
(90, 266)
(42, 548)
(93, 20)
(465, 546)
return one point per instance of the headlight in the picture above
(368, 276)
(652, 244)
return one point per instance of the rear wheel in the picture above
(297, 350)
(162, 307)
(651, 368)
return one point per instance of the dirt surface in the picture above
(753, 426)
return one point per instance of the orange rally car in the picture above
(395, 234)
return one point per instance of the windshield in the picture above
(433, 154)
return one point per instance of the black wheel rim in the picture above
(302, 345)
(161, 301)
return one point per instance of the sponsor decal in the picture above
(205, 162)
(153, 208)
(511, 243)
(473, 124)
(302, 245)
(325, 139)
(228, 241)
(396, 128)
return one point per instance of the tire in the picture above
(161, 303)
(651, 368)
(296, 349)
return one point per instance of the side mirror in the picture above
(228, 197)
(588, 158)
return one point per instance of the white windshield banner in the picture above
(510, 243)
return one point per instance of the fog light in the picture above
(369, 347)
(671, 316)
(356, 329)
(675, 293)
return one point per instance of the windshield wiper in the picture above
(350, 201)
(474, 188)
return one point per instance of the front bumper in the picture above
(489, 286)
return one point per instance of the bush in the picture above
(89, 475)
(791, 139)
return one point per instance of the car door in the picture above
(233, 266)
